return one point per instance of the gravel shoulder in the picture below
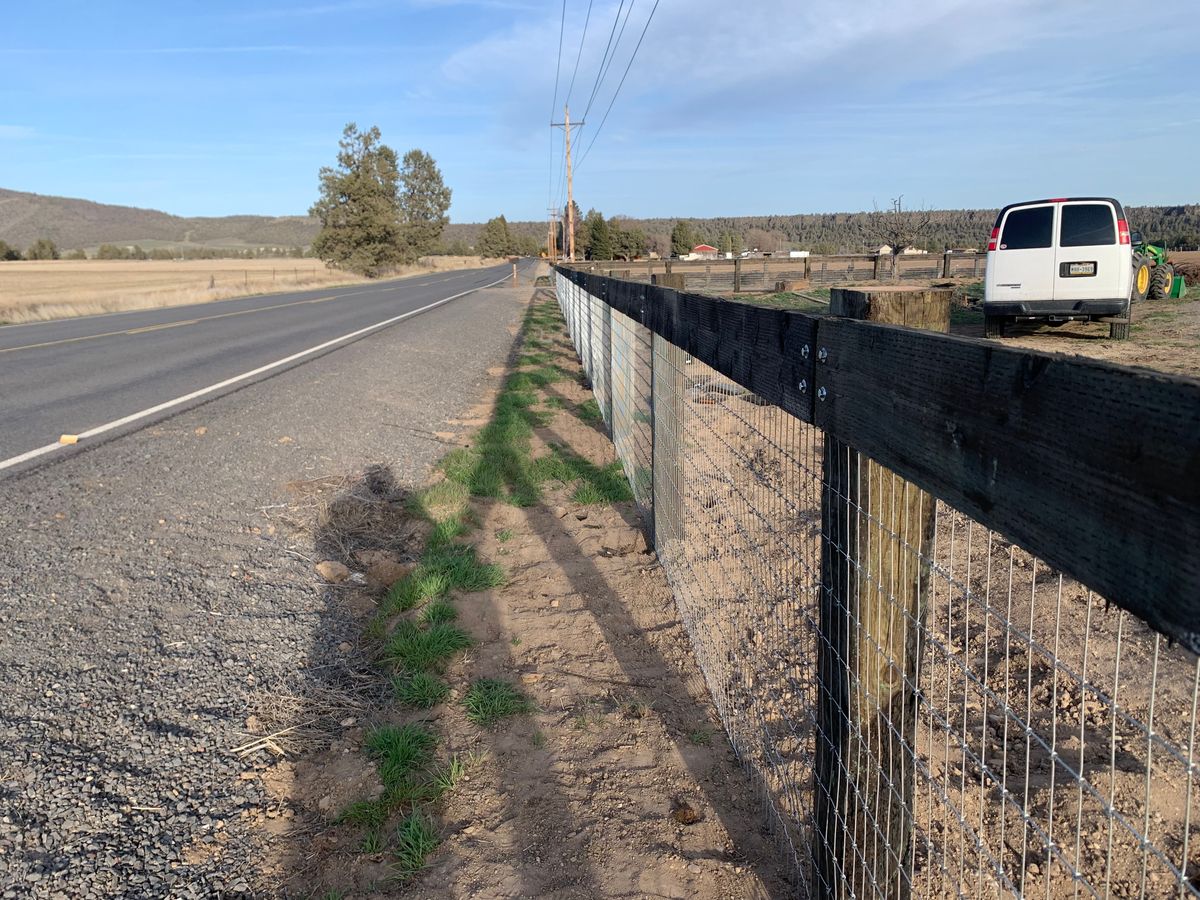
(149, 601)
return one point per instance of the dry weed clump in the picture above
(290, 723)
(369, 513)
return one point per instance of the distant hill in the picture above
(73, 224)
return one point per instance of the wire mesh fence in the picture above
(927, 708)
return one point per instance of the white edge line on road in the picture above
(153, 410)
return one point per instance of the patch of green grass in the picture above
(412, 790)
(534, 358)
(554, 403)
(965, 315)
(445, 495)
(376, 628)
(438, 611)
(444, 567)
(416, 588)
(416, 838)
(539, 739)
(446, 530)
(504, 535)
(700, 736)
(588, 495)
(490, 700)
(400, 751)
(448, 777)
(331, 894)
(370, 813)
(420, 689)
(589, 410)
(413, 649)
(372, 842)
(564, 465)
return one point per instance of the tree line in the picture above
(1176, 227)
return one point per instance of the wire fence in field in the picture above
(928, 709)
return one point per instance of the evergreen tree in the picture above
(683, 239)
(424, 199)
(359, 206)
(599, 236)
(8, 252)
(495, 240)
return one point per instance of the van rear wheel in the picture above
(993, 326)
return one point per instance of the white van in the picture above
(1057, 261)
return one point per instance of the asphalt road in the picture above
(74, 375)
(158, 590)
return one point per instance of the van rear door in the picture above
(1022, 267)
(1089, 264)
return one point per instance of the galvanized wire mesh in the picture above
(927, 709)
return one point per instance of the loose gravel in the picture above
(146, 600)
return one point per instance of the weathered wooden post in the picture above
(946, 264)
(737, 275)
(877, 541)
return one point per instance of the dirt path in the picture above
(620, 783)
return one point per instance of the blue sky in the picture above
(770, 106)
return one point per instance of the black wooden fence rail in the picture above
(1093, 467)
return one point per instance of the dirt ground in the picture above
(53, 289)
(620, 784)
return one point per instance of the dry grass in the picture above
(39, 291)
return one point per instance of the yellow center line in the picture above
(165, 325)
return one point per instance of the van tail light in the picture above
(996, 237)
(1122, 231)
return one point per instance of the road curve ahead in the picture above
(97, 375)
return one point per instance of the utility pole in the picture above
(552, 241)
(566, 124)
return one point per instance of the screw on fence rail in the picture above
(877, 539)
(804, 351)
(803, 386)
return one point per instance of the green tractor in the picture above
(1153, 276)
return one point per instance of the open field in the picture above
(1166, 333)
(41, 290)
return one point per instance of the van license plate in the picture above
(1078, 269)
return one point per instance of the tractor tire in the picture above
(1160, 282)
(1141, 282)
(993, 326)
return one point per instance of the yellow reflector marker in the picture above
(69, 439)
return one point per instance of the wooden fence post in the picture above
(737, 274)
(877, 540)
(946, 264)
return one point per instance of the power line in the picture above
(579, 55)
(562, 24)
(606, 60)
(621, 84)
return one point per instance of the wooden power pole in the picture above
(566, 125)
